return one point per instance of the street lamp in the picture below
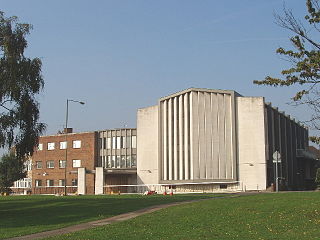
(66, 129)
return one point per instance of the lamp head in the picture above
(82, 103)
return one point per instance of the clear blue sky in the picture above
(122, 55)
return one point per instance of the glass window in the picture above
(104, 143)
(128, 161)
(76, 144)
(100, 143)
(62, 163)
(50, 146)
(113, 142)
(134, 161)
(104, 161)
(118, 142)
(28, 165)
(40, 147)
(123, 142)
(134, 142)
(38, 183)
(49, 182)
(38, 164)
(128, 144)
(74, 182)
(50, 164)
(113, 161)
(123, 161)
(118, 161)
(108, 143)
(61, 182)
(76, 163)
(109, 162)
(63, 145)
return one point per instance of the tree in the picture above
(305, 59)
(11, 169)
(20, 81)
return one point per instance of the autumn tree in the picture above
(20, 82)
(305, 59)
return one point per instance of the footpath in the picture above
(117, 218)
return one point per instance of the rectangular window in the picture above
(38, 183)
(62, 163)
(109, 162)
(61, 182)
(134, 161)
(28, 165)
(113, 162)
(123, 161)
(40, 147)
(76, 144)
(123, 142)
(128, 144)
(50, 164)
(128, 161)
(63, 145)
(118, 142)
(51, 146)
(118, 161)
(113, 142)
(108, 143)
(134, 142)
(104, 162)
(76, 163)
(49, 183)
(74, 182)
(38, 164)
(104, 143)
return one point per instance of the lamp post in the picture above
(66, 133)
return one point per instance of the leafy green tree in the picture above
(11, 169)
(305, 59)
(20, 81)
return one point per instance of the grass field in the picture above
(264, 216)
(21, 215)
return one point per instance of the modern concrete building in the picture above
(213, 139)
(193, 140)
(117, 163)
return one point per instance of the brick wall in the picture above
(87, 153)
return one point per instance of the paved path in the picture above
(117, 218)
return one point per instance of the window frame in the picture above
(74, 161)
(52, 146)
(66, 145)
(75, 144)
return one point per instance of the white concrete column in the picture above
(165, 139)
(186, 137)
(175, 138)
(99, 181)
(82, 181)
(170, 160)
(180, 119)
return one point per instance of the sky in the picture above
(121, 55)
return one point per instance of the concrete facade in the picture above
(251, 138)
(148, 146)
(222, 138)
(195, 140)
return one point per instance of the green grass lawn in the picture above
(21, 215)
(264, 216)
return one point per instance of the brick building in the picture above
(49, 164)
